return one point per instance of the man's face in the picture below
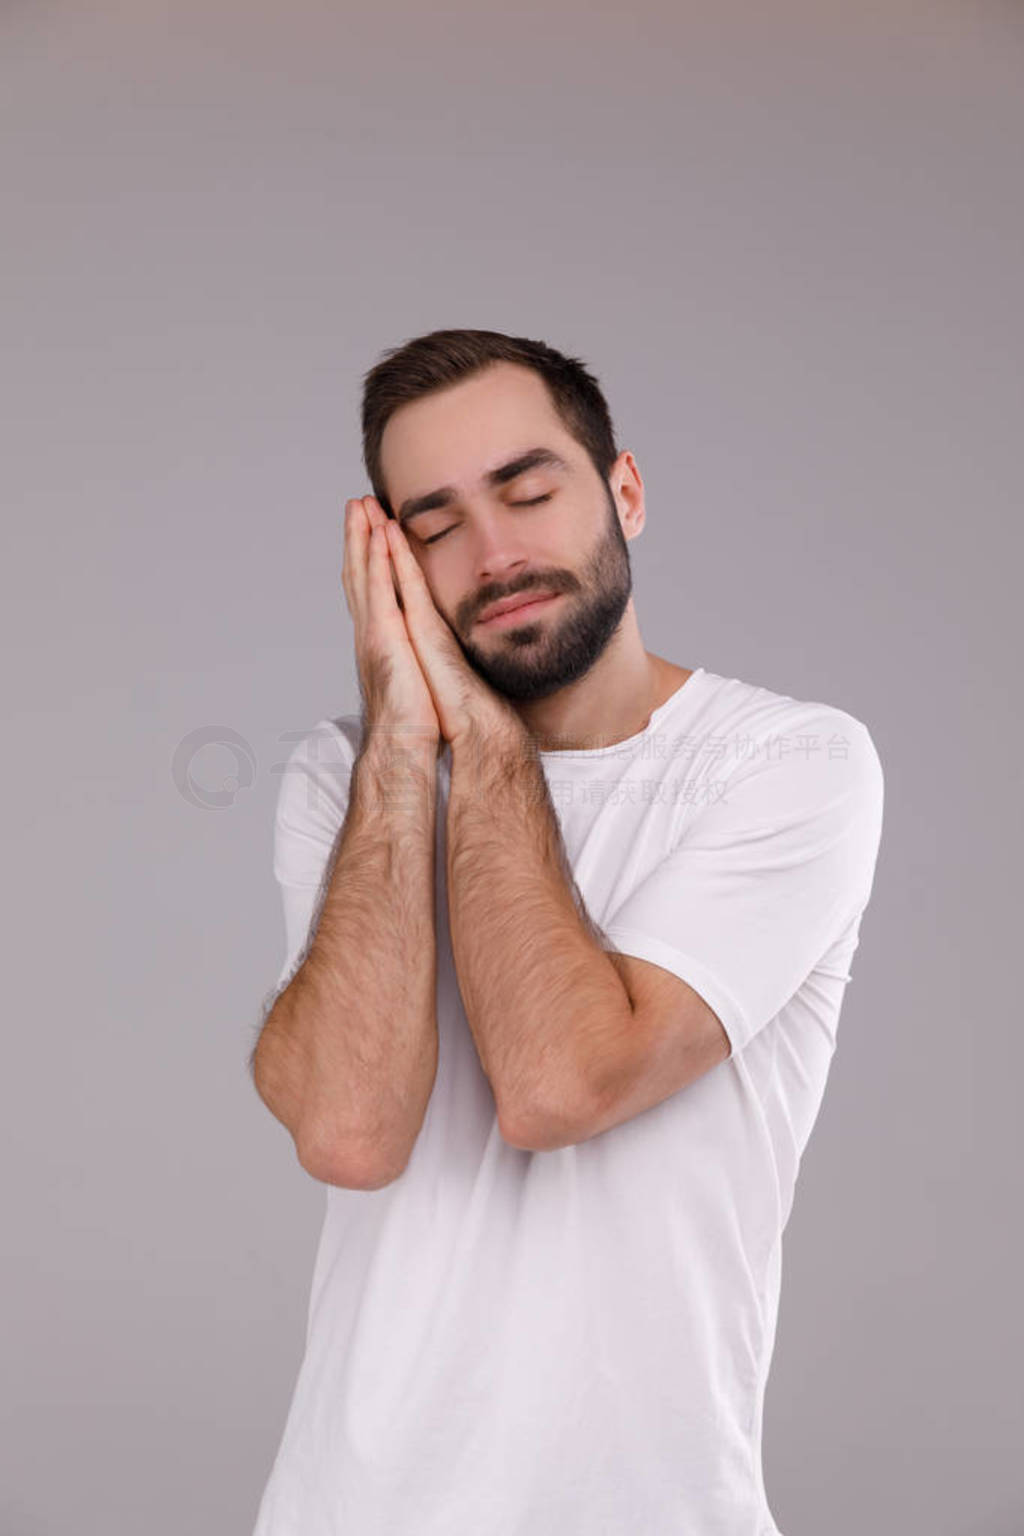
(481, 542)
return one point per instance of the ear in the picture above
(627, 488)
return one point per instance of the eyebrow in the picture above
(446, 494)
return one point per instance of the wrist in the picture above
(393, 754)
(493, 730)
(389, 737)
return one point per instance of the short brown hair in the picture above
(439, 358)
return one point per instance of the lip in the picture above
(526, 605)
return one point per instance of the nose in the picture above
(498, 554)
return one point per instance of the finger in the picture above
(357, 533)
(346, 558)
(378, 518)
(412, 583)
(374, 511)
(381, 593)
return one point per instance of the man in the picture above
(569, 927)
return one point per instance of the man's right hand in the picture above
(396, 698)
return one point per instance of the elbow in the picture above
(541, 1132)
(345, 1167)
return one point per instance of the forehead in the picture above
(452, 437)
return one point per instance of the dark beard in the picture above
(546, 654)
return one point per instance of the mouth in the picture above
(516, 610)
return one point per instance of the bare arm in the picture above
(348, 1054)
(547, 1008)
(347, 1057)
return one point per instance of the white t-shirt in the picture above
(577, 1342)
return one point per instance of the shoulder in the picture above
(315, 773)
(789, 746)
(323, 746)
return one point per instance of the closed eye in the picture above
(536, 500)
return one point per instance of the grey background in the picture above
(788, 239)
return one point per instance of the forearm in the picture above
(545, 1004)
(348, 1055)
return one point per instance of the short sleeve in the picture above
(311, 806)
(764, 880)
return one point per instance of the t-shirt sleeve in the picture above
(763, 881)
(311, 806)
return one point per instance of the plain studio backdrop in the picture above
(789, 239)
